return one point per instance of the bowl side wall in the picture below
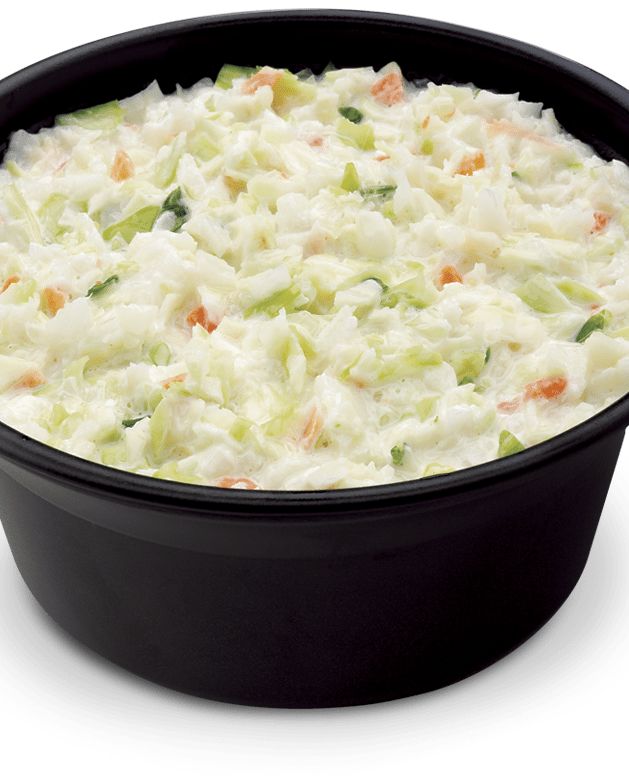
(184, 52)
(339, 621)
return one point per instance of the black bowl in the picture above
(304, 599)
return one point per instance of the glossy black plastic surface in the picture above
(310, 599)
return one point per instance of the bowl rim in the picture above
(34, 456)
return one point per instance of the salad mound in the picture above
(299, 282)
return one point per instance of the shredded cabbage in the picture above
(286, 281)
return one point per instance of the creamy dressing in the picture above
(309, 283)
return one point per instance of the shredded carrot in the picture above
(242, 482)
(449, 275)
(510, 405)
(471, 164)
(29, 380)
(53, 299)
(200, 316)
(13, 279)
(546, 389)
(312, 429)
(123, 167)
(263, 78)
(601, 220)
(174, 380)
(389, 89)
(425, 122)
(315, 141)
(381, 156)
(509, 128)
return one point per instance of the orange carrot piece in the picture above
(241, 482)
(381, 156)
(29, 380)
(123, 167)
(312, 429)
(509, 128)
(263, 78)
(449, 275)
(471, 164)
(510, 405)
(601, 220)
(389, 89)
(61, 166)
(425, 122)
(53, 299)
(174, 380)
(316, 141)
(200, 316)
(546, 389)
(13, 279)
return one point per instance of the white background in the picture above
(556, 707)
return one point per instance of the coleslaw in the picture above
(282, 281)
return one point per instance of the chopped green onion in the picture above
(515, 175)
(487, 354)
(397, 454)
(508, 444)
(176, 206)
(427, 146)
(97, 289)
(598, 321)
(350, 182)
(351, 114)
(132, 422)
(383, 191)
